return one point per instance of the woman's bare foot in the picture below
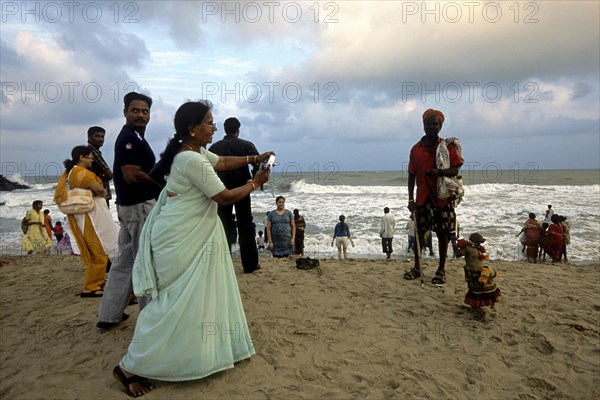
(484, 314)
(479, 313)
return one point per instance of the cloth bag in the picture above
(79, 201)
(449, 187)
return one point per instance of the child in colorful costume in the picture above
(480, 278)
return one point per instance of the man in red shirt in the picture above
(432, 212)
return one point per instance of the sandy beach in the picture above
(353, 329)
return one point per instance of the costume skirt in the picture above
(482, 299)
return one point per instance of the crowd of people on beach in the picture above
(198, 198)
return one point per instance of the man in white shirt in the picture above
(388, 224)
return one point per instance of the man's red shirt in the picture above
(421, 161)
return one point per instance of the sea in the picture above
(496, 204)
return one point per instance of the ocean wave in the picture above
(497, 210)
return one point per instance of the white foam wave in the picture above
(496, 210)
(302, 186)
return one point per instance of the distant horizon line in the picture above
(395, 170)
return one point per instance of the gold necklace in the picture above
(189, 147)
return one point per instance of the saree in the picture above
(48, 225)
(195, 324)
(532, 232)
(554, 242)
(532, 238)
(95, 232)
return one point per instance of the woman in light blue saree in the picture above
(195, 324)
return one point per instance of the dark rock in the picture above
(7, 186)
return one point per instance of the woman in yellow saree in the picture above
(96, 232)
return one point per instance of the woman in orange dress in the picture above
(96, 232)
(533, 231)
(48, 223)
(555, 239)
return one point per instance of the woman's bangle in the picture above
(247, 160)
(253, 185)
(255, 159)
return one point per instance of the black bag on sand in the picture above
(307, 263)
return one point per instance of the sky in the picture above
(326, 85)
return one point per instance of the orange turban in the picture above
(430, 112)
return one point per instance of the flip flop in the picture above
(94, 293)
(125, 381)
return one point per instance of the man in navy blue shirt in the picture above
(232, 145)
(136, 195)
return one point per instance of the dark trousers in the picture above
(246, 231)
(411, 244)
(386, 244)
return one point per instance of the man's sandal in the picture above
(125, 381)
(438, 280)
(411, 274)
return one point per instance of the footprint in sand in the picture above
(544, 346)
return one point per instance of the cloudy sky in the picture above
(342, 82)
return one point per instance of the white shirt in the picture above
(410, 228)
(388, 224)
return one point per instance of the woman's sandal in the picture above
(411, 274)
(94, 293)
(125, 381)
